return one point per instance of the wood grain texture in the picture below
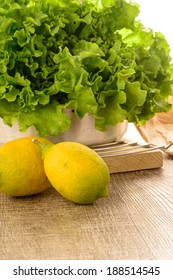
(134, 222)
(134, 161)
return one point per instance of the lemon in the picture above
(77, 172)
(21, 167)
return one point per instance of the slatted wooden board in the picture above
(136, 161)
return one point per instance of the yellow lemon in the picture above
(76, 172)
(21, 167)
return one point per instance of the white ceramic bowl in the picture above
(81, 131)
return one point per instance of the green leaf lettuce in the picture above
(91, 56)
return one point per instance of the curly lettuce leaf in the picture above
(54, 120)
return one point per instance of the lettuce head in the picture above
(91, 56)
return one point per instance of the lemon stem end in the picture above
(44, 147)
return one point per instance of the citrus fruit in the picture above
(21, 167)
(77, 172)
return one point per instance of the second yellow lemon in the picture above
(76, 172)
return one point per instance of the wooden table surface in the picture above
(134, 222)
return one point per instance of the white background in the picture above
(158, 15)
